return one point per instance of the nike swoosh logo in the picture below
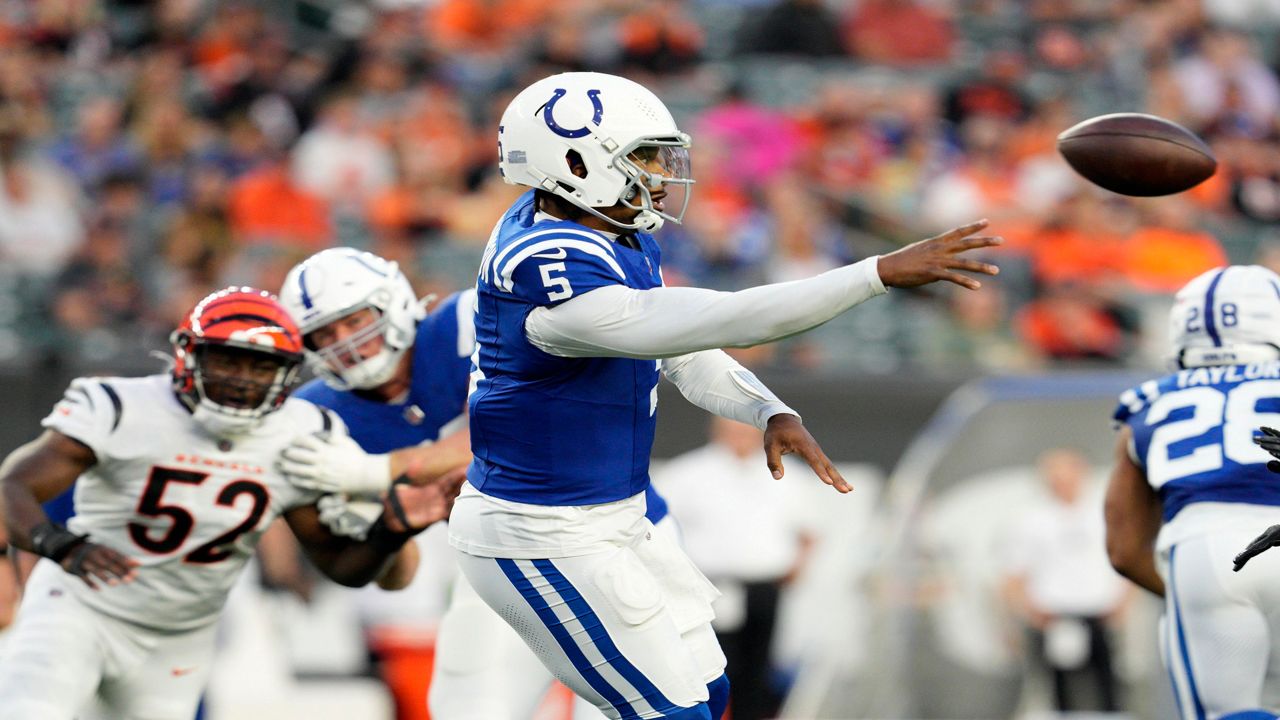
(553, 254)
(179, 672)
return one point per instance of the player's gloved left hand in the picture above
(335, 463)
(1270, 441)
(1268, 539)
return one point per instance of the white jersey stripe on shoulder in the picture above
(569, 232)
(466, 317)
(504, 281)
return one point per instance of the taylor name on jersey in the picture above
(1193, 434)
(187, 506)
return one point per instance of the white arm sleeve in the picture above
(716, 383)
(663, 322)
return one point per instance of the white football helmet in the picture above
(1227, 316)
(336, 282)
(604, 119)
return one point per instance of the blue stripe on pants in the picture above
(565, 640)
(1182, 638)
(591, 622)
(1169, 642)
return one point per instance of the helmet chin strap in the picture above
(649, 222)
(1194, 357)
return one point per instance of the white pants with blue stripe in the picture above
(628, 628)
(1220, 635)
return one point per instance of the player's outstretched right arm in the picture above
(616, 321)
(40, 471)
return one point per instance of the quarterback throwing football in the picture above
(573, 328)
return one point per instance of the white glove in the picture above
(348, 518)
(335, 464)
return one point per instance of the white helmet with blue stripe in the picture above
(337, 282)
(1227, 316)
(609, 121)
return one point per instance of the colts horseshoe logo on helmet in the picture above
(549, 107)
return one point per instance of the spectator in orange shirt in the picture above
(1169, 250)
(899, 32)
(221, 52)
(1084, 244)
(659, 38)
(266, 207)
(1069, 323)
(460, 26)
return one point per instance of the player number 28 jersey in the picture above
(1193, 434)
(163, 492)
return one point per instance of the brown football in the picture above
(1137, 154)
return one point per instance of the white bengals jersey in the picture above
(189, 508)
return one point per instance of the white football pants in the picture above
(1220, 635)
(483, 669)
(60, 655)
(628, 629)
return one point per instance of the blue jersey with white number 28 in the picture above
(1193, 434)
(550, 430)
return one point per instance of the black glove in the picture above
(55, 541)
(1268, 539)
(1269, 441)
(383, 537)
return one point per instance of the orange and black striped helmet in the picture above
(236, 317)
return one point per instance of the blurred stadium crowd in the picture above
(152, 150)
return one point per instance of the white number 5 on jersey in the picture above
(550, 281)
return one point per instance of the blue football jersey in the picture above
(550, 430)
(437, 395)
(1193, 434)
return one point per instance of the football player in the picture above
(175, 482)
(398, 377)
(573, 327)
(1189, 488)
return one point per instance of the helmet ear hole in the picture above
(576, 165)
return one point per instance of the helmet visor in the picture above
(349, 351)
(362, 359)
(661, 175)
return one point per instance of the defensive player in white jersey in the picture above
(175, 482)
(1189, 488)
(573, 326)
